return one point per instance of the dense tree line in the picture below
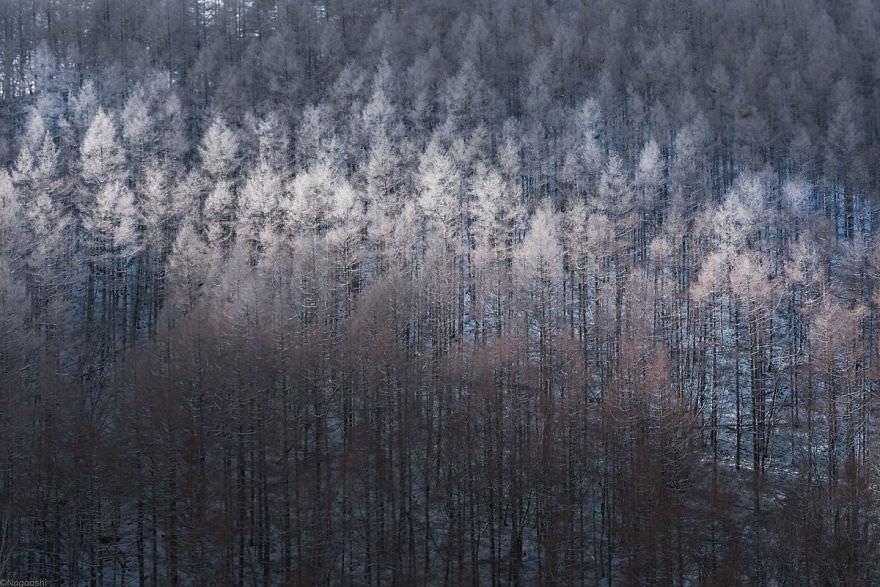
(500, 293)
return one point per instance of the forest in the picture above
(439, 292)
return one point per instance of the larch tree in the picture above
(359, 292)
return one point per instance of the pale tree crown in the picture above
(101, 155)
